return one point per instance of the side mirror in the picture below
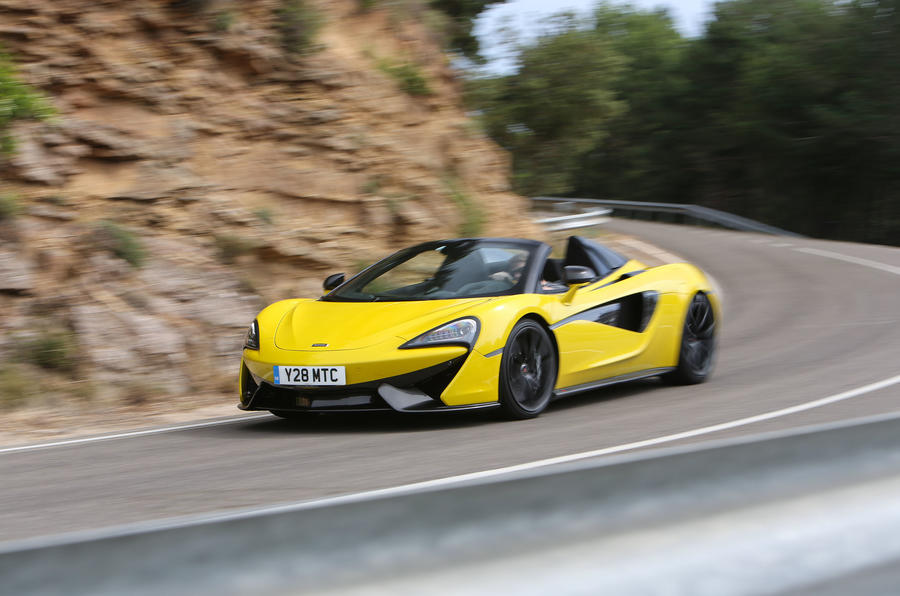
(575, 274)
(333, 281)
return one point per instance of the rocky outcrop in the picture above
(239, 173)
(15, 272)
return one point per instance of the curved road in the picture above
(804, 320)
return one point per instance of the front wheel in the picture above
(527, 371)
(698, 343)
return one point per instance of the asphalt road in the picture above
(804, 320)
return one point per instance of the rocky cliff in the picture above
(199, 165)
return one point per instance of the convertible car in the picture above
(477, 323)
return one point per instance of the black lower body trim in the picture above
(641, 374)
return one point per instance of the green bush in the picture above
(408, 76)
(265, 215)
(16, 386)
(230, 247)
(371, 186)
(473, 218)
(223, 21)
(298, 24)
(9, 207)
(53, 349)
(18, 101)
(121, 242)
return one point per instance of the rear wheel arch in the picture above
(688, 372)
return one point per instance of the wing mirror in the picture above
(575, 274)
(333, 281)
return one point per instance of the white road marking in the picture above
(137, 433)
(782, 244)
(655, 441)
(849, 259)
(526, 466)
(655, 251)
(450, 480)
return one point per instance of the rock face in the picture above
(15, 273)
(243, 173)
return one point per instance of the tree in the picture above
(795, 104)
(555, 107)
(782, 111)
(462, 15)
(639, 157)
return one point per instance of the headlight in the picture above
(252, 340)
(461, 332)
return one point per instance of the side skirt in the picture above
(641, 374)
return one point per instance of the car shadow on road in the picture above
(396, 422)
(605, 394)
(368, 422)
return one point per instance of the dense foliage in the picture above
(555, 108)
(781, 111)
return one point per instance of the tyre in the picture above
(698, 343)
(527, 371)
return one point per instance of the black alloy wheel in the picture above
(527, 371)
(698, 343)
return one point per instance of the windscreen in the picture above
(439, 271)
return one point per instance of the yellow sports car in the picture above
(477, 323)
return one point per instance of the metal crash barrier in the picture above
(782, 512)
(674, 212)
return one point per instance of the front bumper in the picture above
(417, 391)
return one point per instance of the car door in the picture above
(601, 330)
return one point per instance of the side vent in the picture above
(630, 312)
(651, 298)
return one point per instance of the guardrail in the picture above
(746, 516)
(578, 220)
(677, 210)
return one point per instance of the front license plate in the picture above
(310, 375)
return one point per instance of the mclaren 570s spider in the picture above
(477, 323)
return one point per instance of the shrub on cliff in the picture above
(18, 101)
(298, 24)
(230, 247)
(18, 386)
(472, 222)
(408, 76)
(9, 206)
(120, 241)
(54, 349)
